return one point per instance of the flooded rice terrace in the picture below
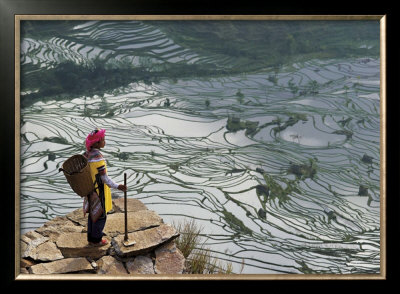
(280, 167)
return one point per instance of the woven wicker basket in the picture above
(77, 171)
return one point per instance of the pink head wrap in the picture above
(94, 137)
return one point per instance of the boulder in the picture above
(138, 220)
(140, 265)
(146, 240)
(169, 260)
(109, 265)
(76, 245)
(62, 266)
(132, 204)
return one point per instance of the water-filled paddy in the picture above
(319, 209)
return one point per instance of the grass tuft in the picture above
(199, 258)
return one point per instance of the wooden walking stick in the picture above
(126, 239)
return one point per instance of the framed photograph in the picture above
(259, 140)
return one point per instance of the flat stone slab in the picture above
(60, 245)
(77, 217)
(33, 238)
(63, 266)
(132, 204)
(146, 240)
(47, 251)
(58, 221)
(138, 220)
(76, 245)
(53, 229)
(29, 243)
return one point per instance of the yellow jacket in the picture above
(96, 160)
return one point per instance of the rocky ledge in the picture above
(60, 245)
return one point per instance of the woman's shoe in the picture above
(101, 243)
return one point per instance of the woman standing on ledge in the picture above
(94, 142)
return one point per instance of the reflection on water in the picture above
(294, 189)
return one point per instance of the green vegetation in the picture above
(262, 190)
(277, 191)
(293, 88)
(348, 238)
(345, 122)
(303, 171)
(207, 102)
(262, 213)
(240, 97)
(52, 156)
(235, 223)
(189, 236)
(58, 140)
(347, 133)
(369, 200)
(258, 44)
(174, 166)
(273, 79)
(293, 119)
(235, 170)
(199, 259)
(234, 124)
(362, 191)
(248, 45)
(69, 78)
(167, 103)
(367, 159)
(124, 156)
(310, 89)
(331, 216)
(304, 267)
